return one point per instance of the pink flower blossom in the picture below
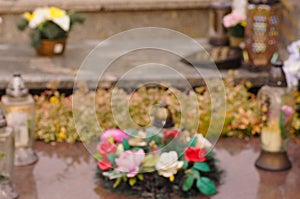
(129, 162)
(116, 134)
(287, 110)
(233, 19)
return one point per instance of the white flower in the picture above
(168, 164)
(239, 6)
(63, 22)
(294, 49)
(292, 71)
(202, 142)
(40, 15)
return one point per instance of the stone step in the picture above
(38, 71)
(107, 17)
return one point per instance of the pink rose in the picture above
(106, 147)
(129, 162)
(117, 134)
(233, 19)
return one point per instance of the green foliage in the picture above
(111, 158)
(201, 166)
(22, 24)
(206, 186)
(125, 144)
(188, 183)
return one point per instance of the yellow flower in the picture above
(28, 16)
(56, 13)
(62, 135)
(244, 23)
(172, 178)
(54, 100)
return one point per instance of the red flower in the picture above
(193, 154)
(169, 135)
(106, 147)
(104, 165)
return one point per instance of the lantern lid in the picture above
(16, 87)
(276, 76)
(163, 117)
(3, 122)
(268, 2)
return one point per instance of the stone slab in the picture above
(68, 171)
(39, 71)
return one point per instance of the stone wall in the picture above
(108, 17)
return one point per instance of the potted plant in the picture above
(236, 22)
(49, 28)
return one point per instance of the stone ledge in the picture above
(20, 6)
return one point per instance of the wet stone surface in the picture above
(68, 171)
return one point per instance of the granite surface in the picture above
(68, 171)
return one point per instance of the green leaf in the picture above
(206, 186)
(150, 160)
(22, 24)
(185, 164)
(125, 144)
(188, 183)
(132, 181)
(116, 184)
(112, 175)
(202, 166)
(97, 156)
(112, 157)
(140, 176)
(193, 142)
(196, 173)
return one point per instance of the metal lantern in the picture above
(19, 107)
(276, 107)
(262, 31)
(217, 32)
(163, 117)
(7, 190)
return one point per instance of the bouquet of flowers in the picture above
(292, 64)
(49, 23)
(236, 20)
(157, 163)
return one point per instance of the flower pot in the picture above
(236, 41)
(51, 47)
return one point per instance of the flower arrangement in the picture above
(236, 20)
(55, 123)
(165, 161)
(292, 65)
(49, 23)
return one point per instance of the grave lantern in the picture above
(261, 33)
(19, 107)
(276, 107)
(7, 190)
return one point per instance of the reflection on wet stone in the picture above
(68, 171)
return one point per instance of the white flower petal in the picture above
(63, 22)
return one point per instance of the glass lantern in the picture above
(7, 190)
(261, 33)
(276, 107)
(19, 107)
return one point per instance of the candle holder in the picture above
(276, 107)
(7, 190)
(19, 108)
(261, 33)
